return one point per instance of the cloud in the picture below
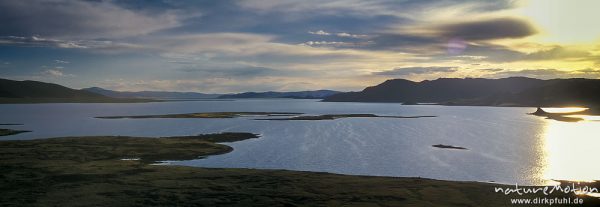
(556, 52)
(336, 44)
(406, 71)
(210, 42)
(250, 48)
(37, 41)
(275, 44)
(406, 43)
(320, 32)
(341, 34)
(61, 62)
(489, 29)
(550, 73)
(374, 7)
(494, 70)
(210, 85)
(56, 73)
(499, 53)
(234, 71)
(344, 34)
(80, 19)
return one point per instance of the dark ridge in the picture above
(514, 91)
(12, 91)
(36, 89)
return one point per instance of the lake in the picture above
(504, 144)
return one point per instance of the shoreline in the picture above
(89, 171)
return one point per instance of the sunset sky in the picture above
(260, 45)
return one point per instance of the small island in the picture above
(339, 116)
(7, 132)
(448, 147)
(286, 116)
(204, 115)
(565, 117)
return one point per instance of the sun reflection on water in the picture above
(570, 150)
(565, 109)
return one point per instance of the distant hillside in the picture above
(319, 94)
(150, 94)
(556, 92)
(35, 89)
(514, 91)
(12, 91)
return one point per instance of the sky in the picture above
(283, 45)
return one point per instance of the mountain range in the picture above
(513, 91)
(12, 91)
(319, 94)
(150, 94)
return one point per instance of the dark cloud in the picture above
(488, 29)
(64, 18)
(415, 71)
(406, 43)
(474, 33)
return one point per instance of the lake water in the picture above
(505, 145)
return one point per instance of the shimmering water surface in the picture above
(504, 144)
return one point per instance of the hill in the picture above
(12, 91)
(514, 91)
(150, 94)
(318, 94)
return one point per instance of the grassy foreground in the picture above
(88, 171)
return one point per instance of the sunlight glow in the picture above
(570, 151)
(586, 117)
(565, 21)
